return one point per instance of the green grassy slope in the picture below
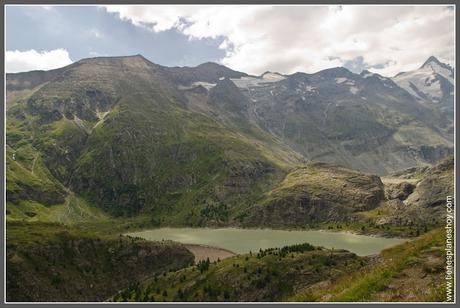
(413, 271)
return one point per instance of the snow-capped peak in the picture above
(425, 82)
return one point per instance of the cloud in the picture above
(389, 39)
(22, 61)
(93, 33)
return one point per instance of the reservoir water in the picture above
(245, 240)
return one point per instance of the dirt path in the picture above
(202, 252)
(33, 163)
(101, 116)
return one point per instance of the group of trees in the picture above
(203, 265)
(284, 251)
(215, 211)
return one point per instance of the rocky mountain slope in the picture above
(202, 145)
(421, 198)
(364, 122)
(432, 84)
(302, 198)
(118, 131)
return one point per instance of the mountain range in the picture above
(207, 143)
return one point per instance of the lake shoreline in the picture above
(203, 252)
(209, 241)
(386, 235)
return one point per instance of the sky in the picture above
(250, 38)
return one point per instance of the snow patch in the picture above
(248, 82)
(272, 77)
(340, 80)
(204, 84)
(354, 90)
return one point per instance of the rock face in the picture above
(399, 191)
(86, 269)
(317, 193)
(437, 184)
(423, 204)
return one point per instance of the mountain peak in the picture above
(366, 73)
(211, 64)
(333, 72)
(138, 58)
(430, 60)
(219, 69)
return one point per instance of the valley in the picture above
(127, 176)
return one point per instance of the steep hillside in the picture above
(49, 263)
(22, 84)
(363, 122)
(427, 201)
(269, 275)
(415, 200)
(118, 132)
(29, 179)
(317, 193)
(410, 272)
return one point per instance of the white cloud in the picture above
(93, 33)
(309, 38)
(22, 61)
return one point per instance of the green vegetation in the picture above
(47, 262)
(29, 179)
(399, 267)
(269, 275)
(317, 193)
